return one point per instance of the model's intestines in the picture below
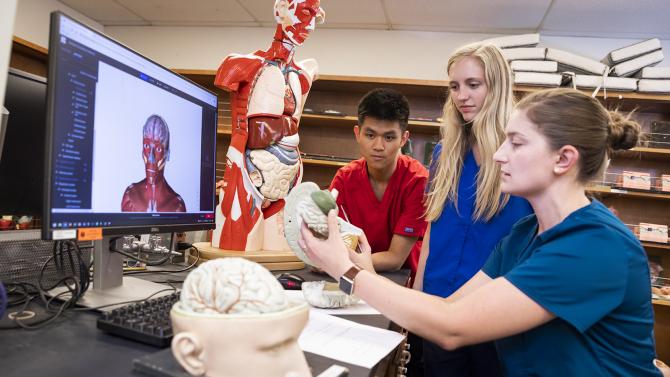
(232, 286)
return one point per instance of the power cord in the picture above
(172, 288)
(75, 288)
(62, 251)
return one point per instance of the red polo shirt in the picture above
(399, 212)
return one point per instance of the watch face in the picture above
(346, 285)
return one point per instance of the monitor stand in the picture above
(109, 284)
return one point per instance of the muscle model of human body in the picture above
(268, 91)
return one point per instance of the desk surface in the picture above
(73, 346)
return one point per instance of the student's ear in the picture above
(404, 138)
(357, 131)
(566, 158)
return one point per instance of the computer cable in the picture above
(17, 316)
(74, 287)
(61, 248)
(180, 246)
(172, 288)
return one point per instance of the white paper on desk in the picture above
(359, 308)
(347, 341)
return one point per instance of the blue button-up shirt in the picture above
(459, 246)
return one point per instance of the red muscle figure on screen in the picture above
(268, 91)
(153, 193)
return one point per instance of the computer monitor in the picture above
(130, 149)
(22, 144)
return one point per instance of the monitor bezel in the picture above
(47, 230)
(25, 77)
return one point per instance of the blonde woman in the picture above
(567, 291)
(466, 211)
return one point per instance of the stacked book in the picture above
(586, 73)
(627, 61)
(528, 61)
(638, 60)
(654, 80)
(628, 68)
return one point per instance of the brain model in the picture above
(306, 203)
(232, 286)
(314, 211)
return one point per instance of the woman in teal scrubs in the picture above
(567, 292)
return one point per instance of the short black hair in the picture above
(384, 104)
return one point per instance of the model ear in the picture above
(320, 16)
(187, 349)
(281, 9)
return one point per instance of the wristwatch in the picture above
(347, 280)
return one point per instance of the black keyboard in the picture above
(146, 322)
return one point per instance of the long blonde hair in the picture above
(488, 132)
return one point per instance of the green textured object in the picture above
(324, 200)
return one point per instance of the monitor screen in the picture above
(131, 145)
(22, 150)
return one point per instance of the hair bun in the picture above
(623, 131)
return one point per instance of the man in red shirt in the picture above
(382, 193)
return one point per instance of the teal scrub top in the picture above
(592, 273)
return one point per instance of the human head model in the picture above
(234, 320)
(298, 18)
(155, 147)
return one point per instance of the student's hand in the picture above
(665, 370)
(331, 254)
(363, 257)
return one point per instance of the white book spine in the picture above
(534, 66)
(635, 50)
(573, 60)
(515, 40)
(537, 78)
(654, 73)
(653, 86)
(524, 53)
(631, 66)
(610, 83)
